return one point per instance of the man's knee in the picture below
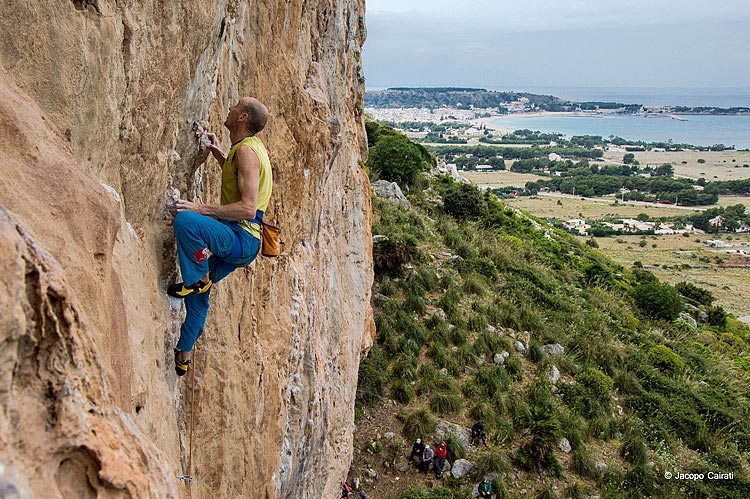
(184, 220)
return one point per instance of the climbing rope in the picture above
(188, 477)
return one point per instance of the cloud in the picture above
(534, 15)
(544, 43)
(696, 54)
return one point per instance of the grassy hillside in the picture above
(461, 278)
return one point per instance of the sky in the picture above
(527, 44)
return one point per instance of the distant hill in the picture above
(457, 97)
(481, 98)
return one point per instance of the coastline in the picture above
(488, 122)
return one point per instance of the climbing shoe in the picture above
(181, 368)
(179, 290)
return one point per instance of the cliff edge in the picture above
(97, 104)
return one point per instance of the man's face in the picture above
(236, 114)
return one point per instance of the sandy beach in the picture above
(488, 122)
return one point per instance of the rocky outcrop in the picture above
(391, 192)
(97, 104)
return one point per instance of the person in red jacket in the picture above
(441, 452)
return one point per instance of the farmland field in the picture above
(719, 165)
(566, 207)
(676, 258)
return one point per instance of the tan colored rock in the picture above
(97, 104)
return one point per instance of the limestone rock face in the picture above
(97, 104)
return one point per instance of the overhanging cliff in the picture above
(97, 104)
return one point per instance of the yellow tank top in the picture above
(230, 191)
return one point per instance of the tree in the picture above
(658, 300)
(628, 158)
(665, 170)
(464, 201)
(717, 316)
(397, 159)
(695, 293)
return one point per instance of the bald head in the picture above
(257, 114)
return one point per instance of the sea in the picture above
(703, 130)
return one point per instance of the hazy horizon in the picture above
(649, 96)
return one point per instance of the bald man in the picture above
(229, 231)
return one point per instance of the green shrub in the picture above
(576, 491)
(717, 316)
(455, 448)
(664, 359)
(481, 266)
(405, 368)
(583, 463)
(633, 450)
(492, 379)
(390, 254)
(482, 411)
(491, 461)
(657, 300)
(538, 453)
(464, 201)
(695, 294)
(427, 279)
(514, 366)
(639, 481)
(536, 353)
(397, 159)
(458, 336)
(546, 493)
(415, 303)
(472, 390)
(419, 424)
(596, 382)
(604, 428)
(449, 302)
(465, 356)
(402, 391)
(374, 447)
(446, 402)
(474, 286)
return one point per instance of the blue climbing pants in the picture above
(231, 247)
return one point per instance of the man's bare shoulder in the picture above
(246, 153)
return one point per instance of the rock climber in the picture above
(441, 452)
(427, 455)
(485, 489)
(231, 230)
(416, 450)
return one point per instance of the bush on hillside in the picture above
(446, 402)
(658, 300)
(717, 316)
(390, 254)
(402, 391)
(663, 358)
(694, 293)
(455, 448)
(464, 201)
(420, 424)
(396, 159)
